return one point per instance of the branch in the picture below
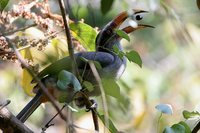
(10, 124)
(103, 96)
(69, 38)
(41, 85)
(20, 29)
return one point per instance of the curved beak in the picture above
(130, 29)
(109, 30)
(117, 21)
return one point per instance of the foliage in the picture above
(181, 127)
(110, 125)
(69, 85)
(3, 4)
(106, 5)
(193, 114)
(132, 55)
(84, 34)
(123, 34)
(169, 56)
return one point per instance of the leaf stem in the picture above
(158, 123)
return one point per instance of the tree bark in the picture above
(10, 124)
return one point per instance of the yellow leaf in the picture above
(26, 77)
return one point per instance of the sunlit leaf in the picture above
(165, 108)
(26, 77)
(111, 127)
(68, 85)
(133, 56)
(111, 88)
(106, 5)
(3, 4)
(123, 34)
(187, 114)
(85, 34)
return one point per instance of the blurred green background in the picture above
(170, 72)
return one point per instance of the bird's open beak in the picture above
(116, 22)
(130, 29)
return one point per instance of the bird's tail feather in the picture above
(30, 107)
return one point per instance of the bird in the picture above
(112, 66)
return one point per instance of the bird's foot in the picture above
(93, 104)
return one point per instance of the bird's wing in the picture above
(66, 63)
(103, 58)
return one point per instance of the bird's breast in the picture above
(115, 69)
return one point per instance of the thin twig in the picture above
(103, 96)
(4, 104)
(69, 10)
(20, 29)
(69, 42)
(41, 85)
(69, 39)
(89, 131)
(47, 125)
(95, 118)
(45, 39)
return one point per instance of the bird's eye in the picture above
(138, 17)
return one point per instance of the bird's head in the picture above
(108, 33)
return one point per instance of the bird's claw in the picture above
(93, 106)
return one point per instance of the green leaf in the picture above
(123, 34)
(85, 34)
(68, 85)
(65, 78)
(111, 88)
(106, 5)
(187, 114)
(115, 49)
(111, 127)
(176, 128)
(3, 4)
(181, 127)
(97, 64)
(165, 108)
(118, 52)
(133, 56)
(88, 86)
(187, 128)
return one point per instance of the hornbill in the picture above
(112, 66)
